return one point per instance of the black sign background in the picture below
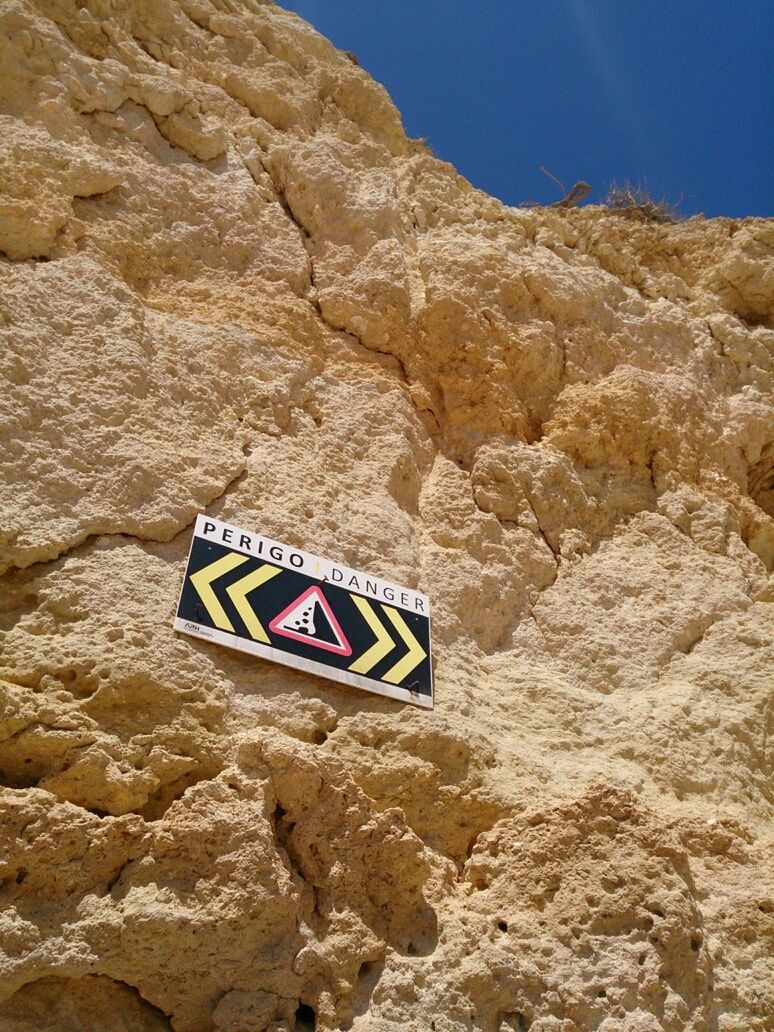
(271, 598)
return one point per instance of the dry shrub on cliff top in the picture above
(634, 201)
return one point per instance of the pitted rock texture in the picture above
(231, 284)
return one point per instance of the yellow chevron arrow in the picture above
(415, 653)
(202, 581)
(381, 646)
(238, 592)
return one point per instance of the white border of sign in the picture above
(313, 566)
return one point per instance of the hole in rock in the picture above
(18, 779)
(696, 941)
(161, 800)
(513, 1021)
(368, 976)
(752, 319)
(503, 926)
(282, 831)
(760, 480)
(306, 1019)
(90, 1003)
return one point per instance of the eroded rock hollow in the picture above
(229, 283)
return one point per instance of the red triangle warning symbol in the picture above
(310, 619)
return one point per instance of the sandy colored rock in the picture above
(230, 283)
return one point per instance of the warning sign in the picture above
(250, 593)
(311, 619)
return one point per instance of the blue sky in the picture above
(675, 94)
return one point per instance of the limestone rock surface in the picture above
(230, 283)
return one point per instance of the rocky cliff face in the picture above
(231, 284)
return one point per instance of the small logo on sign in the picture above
(310, 619)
